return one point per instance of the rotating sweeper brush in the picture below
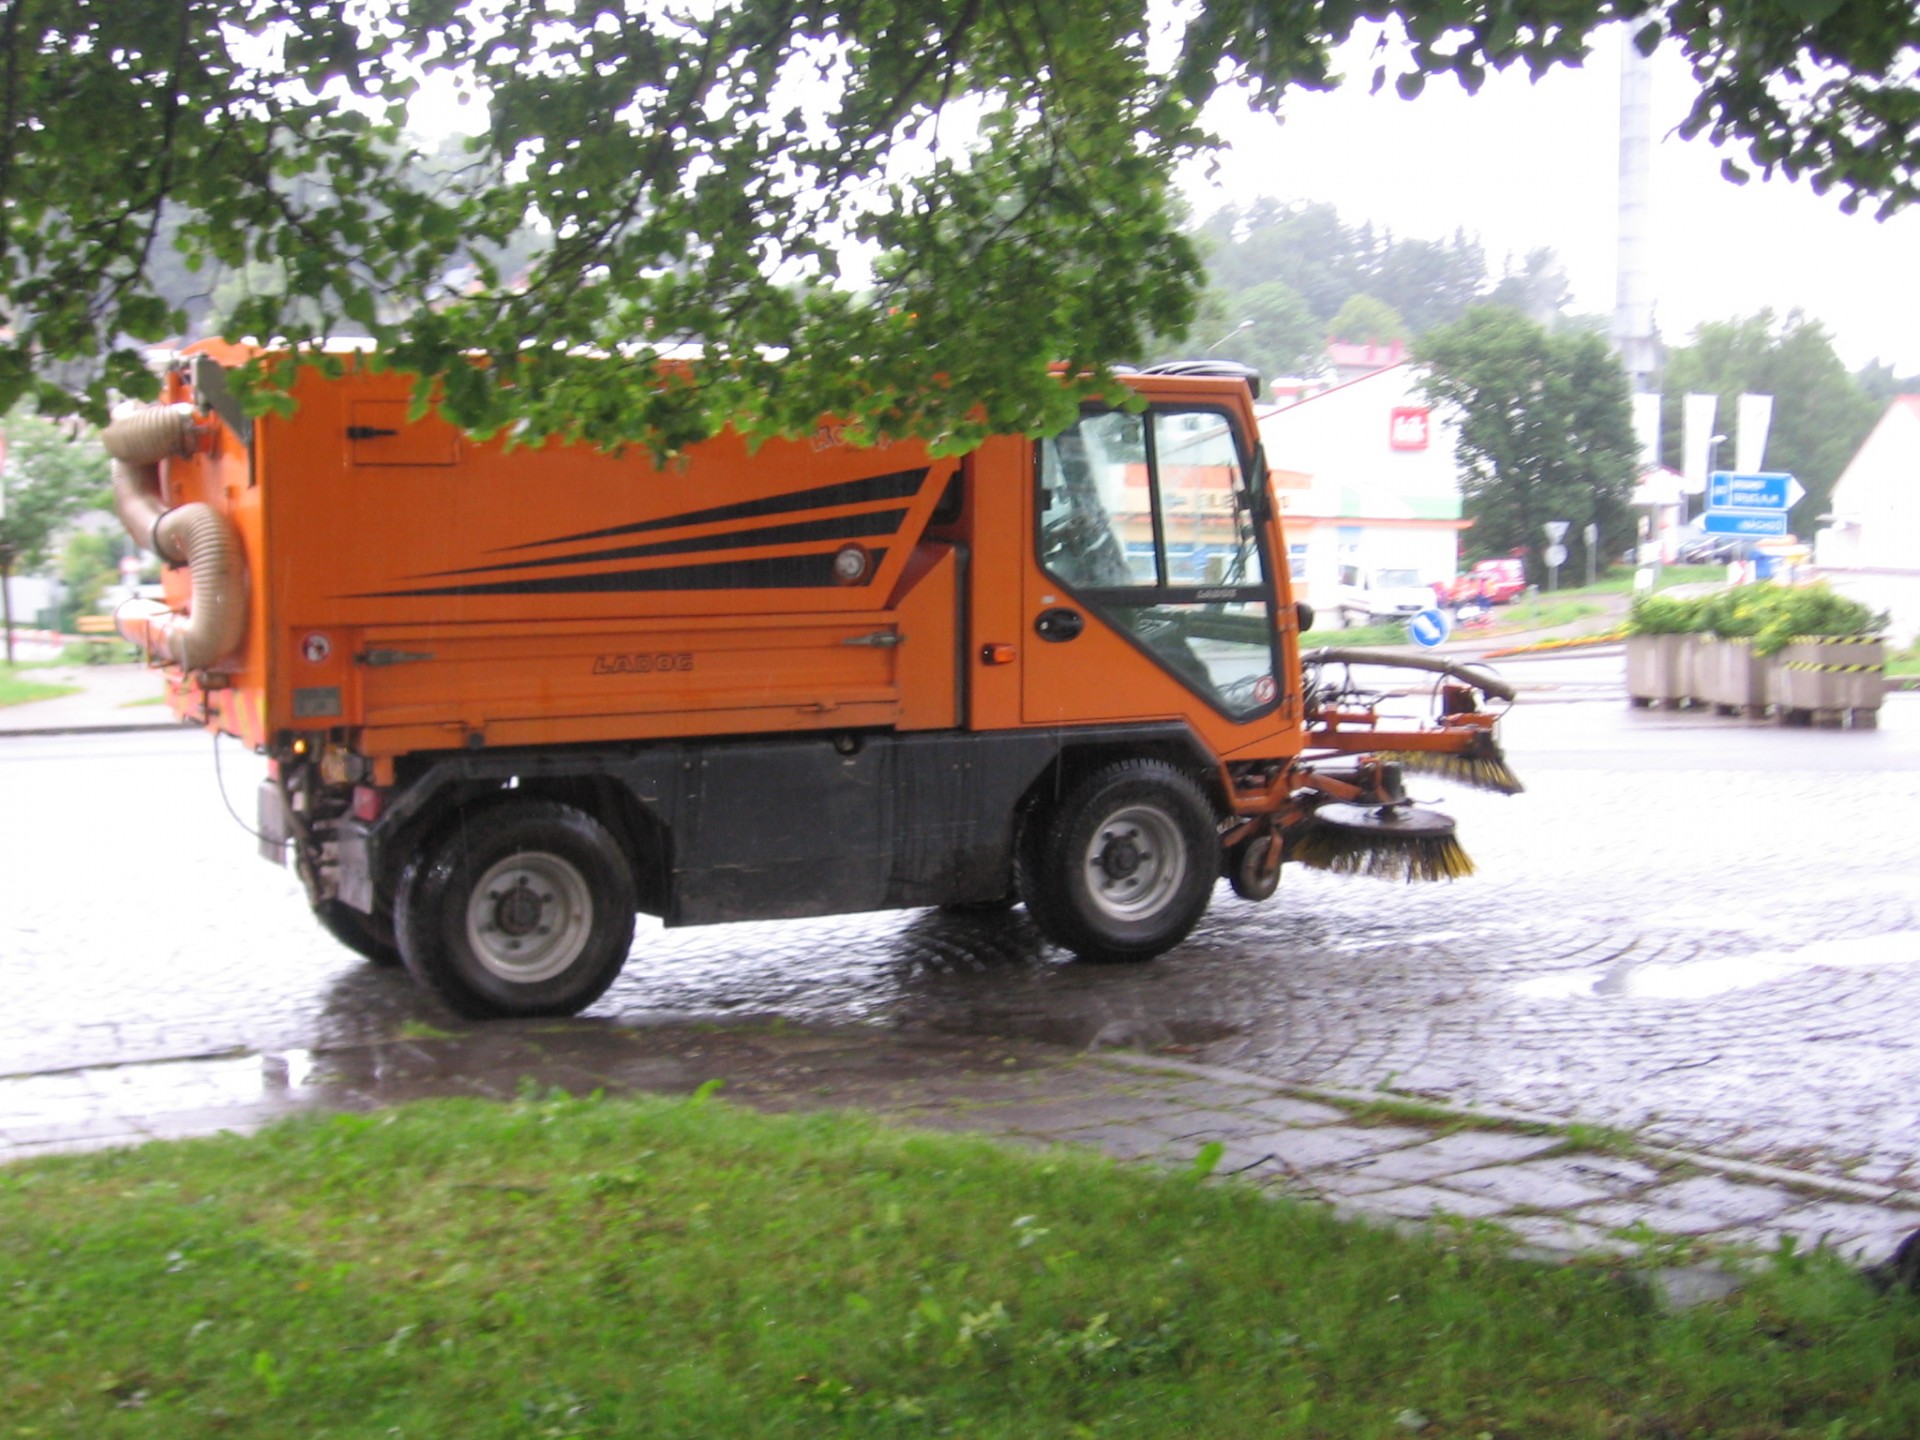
(1355, 818)
(1393, 841)
(1480, 766)
(1461, 746)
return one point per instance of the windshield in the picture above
(1396, 578)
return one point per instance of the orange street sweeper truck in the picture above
(512, 697)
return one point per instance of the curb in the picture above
(1521, 1119)
(43, 731)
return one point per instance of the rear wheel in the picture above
(1124, 866)
(518, 909)
(369, 936)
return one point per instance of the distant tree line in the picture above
(1285, 277)
(1543, 402)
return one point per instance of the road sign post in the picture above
(1727, 490)
(1753, 505)
(1429, 628)
(1556, 553)
(1757, 523)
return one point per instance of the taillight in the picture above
(368, 802)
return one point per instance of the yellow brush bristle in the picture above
(1482, 768)
(1382, 856)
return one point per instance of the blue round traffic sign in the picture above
(1429, 628)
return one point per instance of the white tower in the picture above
(1633, 328)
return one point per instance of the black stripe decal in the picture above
(843, 527)
(897, 486)
(776, 572)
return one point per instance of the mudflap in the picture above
(353, 875)
(271, 827)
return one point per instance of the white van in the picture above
(1371, 597)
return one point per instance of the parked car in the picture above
(1498, 582)
(1714, 550)
(1369, 596)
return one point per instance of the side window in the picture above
(1146, 519)
(1096, 512)
(1202, 498)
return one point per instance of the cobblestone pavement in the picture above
(1701, 930)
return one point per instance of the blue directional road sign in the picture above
(1745, 522)
(1727, 490)
(1429, 628)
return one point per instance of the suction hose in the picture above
(1484, 681)
(198, 536)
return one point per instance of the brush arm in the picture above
(1484, 681)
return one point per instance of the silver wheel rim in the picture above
(528, 918)
(1135, 863)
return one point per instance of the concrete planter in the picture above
(1660, 669)
(1730, 677)
(1830, 681)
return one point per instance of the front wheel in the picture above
(1124, 866)
(518, 909)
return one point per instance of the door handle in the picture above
(1059, 624)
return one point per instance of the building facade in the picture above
(1366, 476)
(1869, 547)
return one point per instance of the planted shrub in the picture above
(1789, 612)
(1768, 614)
(1663, 615)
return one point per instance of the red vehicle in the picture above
(1498, 582)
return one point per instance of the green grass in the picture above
(14, 690)
(558, 1268)
(1389, 634)
(1904, 662)
(1523, 615)
(1619, 581)
(1547, 610)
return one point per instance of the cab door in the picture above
(1150, 595)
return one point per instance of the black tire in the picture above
(1246, 869)
(368, 936)
(1123, 867)
(517, 909)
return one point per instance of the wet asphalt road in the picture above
(1701, 927)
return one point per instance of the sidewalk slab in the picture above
(109, 698)
(1289, 1141)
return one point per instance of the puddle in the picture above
(1704, 979)
(154, 1088)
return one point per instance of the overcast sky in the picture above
(1524, 165)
